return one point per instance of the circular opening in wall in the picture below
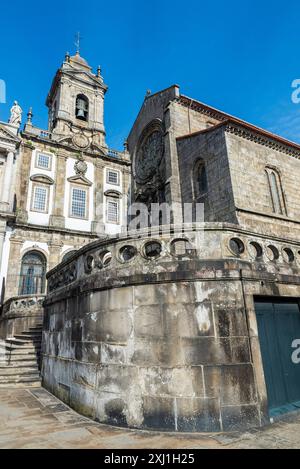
(181, 247)
(89, 263)
(288, 255)
(127, 253)
(152, 249)
(105, 258)
(237, 246)
(272, 252)
(255, 250)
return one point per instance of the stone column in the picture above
(14, 267)
(55, 246)
(98, 226)
(57, 218)
(172, 189)
(125, 199)
(6, 188)
(2, 235)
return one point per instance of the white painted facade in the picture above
(34, 217)
(73, 223)
(112, 228)
(31, 245)
(5, 254)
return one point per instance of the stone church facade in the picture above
(62, 187)
(189, 326)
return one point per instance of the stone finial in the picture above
(148, 92)
(29, 116)
(125, 145)
(67, 57)
(99, 71)
(15, 115)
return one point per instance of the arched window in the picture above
(68, 255)
(33, 274)
(82, 107)
(276, 194)
(199, 179)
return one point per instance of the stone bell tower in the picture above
(76, 103)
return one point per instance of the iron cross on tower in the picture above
(78, 38)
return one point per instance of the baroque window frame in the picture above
(112, 170)
(36, 185)
(38, 153)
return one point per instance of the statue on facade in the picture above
(15, 114)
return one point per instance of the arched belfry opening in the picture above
(82, 107)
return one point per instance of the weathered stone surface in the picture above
(182, 343)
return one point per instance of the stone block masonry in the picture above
(170, 342)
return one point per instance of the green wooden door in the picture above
(278, 327)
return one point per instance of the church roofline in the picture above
(229, 119)
(251, 132)
(60, 72)
(150, 96)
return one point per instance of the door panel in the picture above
(278, 325)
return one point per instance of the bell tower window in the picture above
(82, 107)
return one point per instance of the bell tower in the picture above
(76, 101)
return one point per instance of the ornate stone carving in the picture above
(63, 277)
(149, 156)
(80, 140)
(80, 167)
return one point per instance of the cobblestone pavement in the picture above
(33, 418)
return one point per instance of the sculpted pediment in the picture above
(7, 135)
(83, 75)
(80, 179)
(113, 193)
(43, 178)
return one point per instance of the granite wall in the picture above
(165, 339)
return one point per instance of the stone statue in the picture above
(15, 114)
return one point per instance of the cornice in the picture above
(266, 141)
(242, 128)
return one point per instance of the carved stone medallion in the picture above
(80, 140)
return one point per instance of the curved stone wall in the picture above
(160, 331)
(20, 313)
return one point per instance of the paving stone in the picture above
(39, 424)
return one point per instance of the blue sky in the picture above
(240, 57)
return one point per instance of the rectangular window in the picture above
(43, 161)
(78, 203)
(39, 199)
(112, 177)
(112, 211)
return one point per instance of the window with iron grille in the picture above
(43, 161)
(78, 202)
(40, 199)
(112, 177)
(112, 211)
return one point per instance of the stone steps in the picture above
(17, 364)
(12, 370)
(33, 337)
(19, 346)
(33, 379)
(19, 359)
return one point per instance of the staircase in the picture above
(20, 359)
